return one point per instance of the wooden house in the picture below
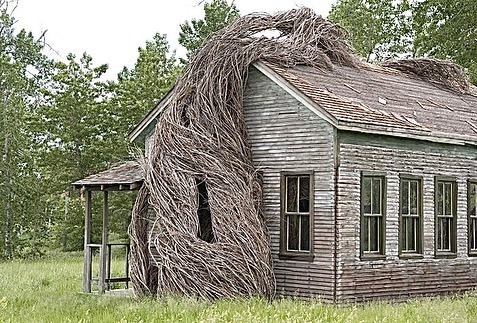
(369, 180)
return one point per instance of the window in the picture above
(296, 204)
(411, 216)
(472, 206)
(372, 215)
(446, 210)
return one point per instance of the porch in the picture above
(125, 177)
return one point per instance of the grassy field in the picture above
(47, 290)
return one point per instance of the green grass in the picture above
(47, 290)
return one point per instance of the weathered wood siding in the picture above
(149, 143)
(287, 136)
(395, 277)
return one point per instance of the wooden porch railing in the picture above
(104, 280)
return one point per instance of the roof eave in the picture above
(432, 136)
(132, 186)
(138, 130)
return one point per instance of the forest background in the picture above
(60, 121)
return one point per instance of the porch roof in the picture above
(121, 177)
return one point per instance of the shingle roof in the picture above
(386, 99)
(125, 176)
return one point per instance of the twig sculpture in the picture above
(197, 227)
(201, 148)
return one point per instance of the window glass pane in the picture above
(473, 199)
(415, 235)
(440, 196)
(373, 232)
(376, 196)
(292, 187)
(304, 205)
(444, 234)
(439, 234)
(448, 199)
(449, 233)
(366, 195)
(411, 234)
(473, 233)
(405, 197)
(365, 242)
(404, 234)
(293, 232)
(375, 221)
(413, 202)
(305, 232)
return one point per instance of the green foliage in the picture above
(217, 15)
(140, 88)
(47, 290)
(447, 29)
(23, 70)
(379, 29)
(82, 128)
(60, 122)
(383, 29)
(72, 125)
(74, 140)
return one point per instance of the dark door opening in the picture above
(203, 212)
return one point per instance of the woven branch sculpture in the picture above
(201, 148)
(201, 164)
(444, 74)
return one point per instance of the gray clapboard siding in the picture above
(394, 277)
(286, 136)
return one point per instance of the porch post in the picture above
(87, 241)
(104, 241)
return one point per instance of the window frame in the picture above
(452, 253)
(305, 255)
(420, 235)
(470, 182)
(381, 253)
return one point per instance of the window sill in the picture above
(472, 254)
(372, 257)
(411, 256)
(296, 256)
(444, 255)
